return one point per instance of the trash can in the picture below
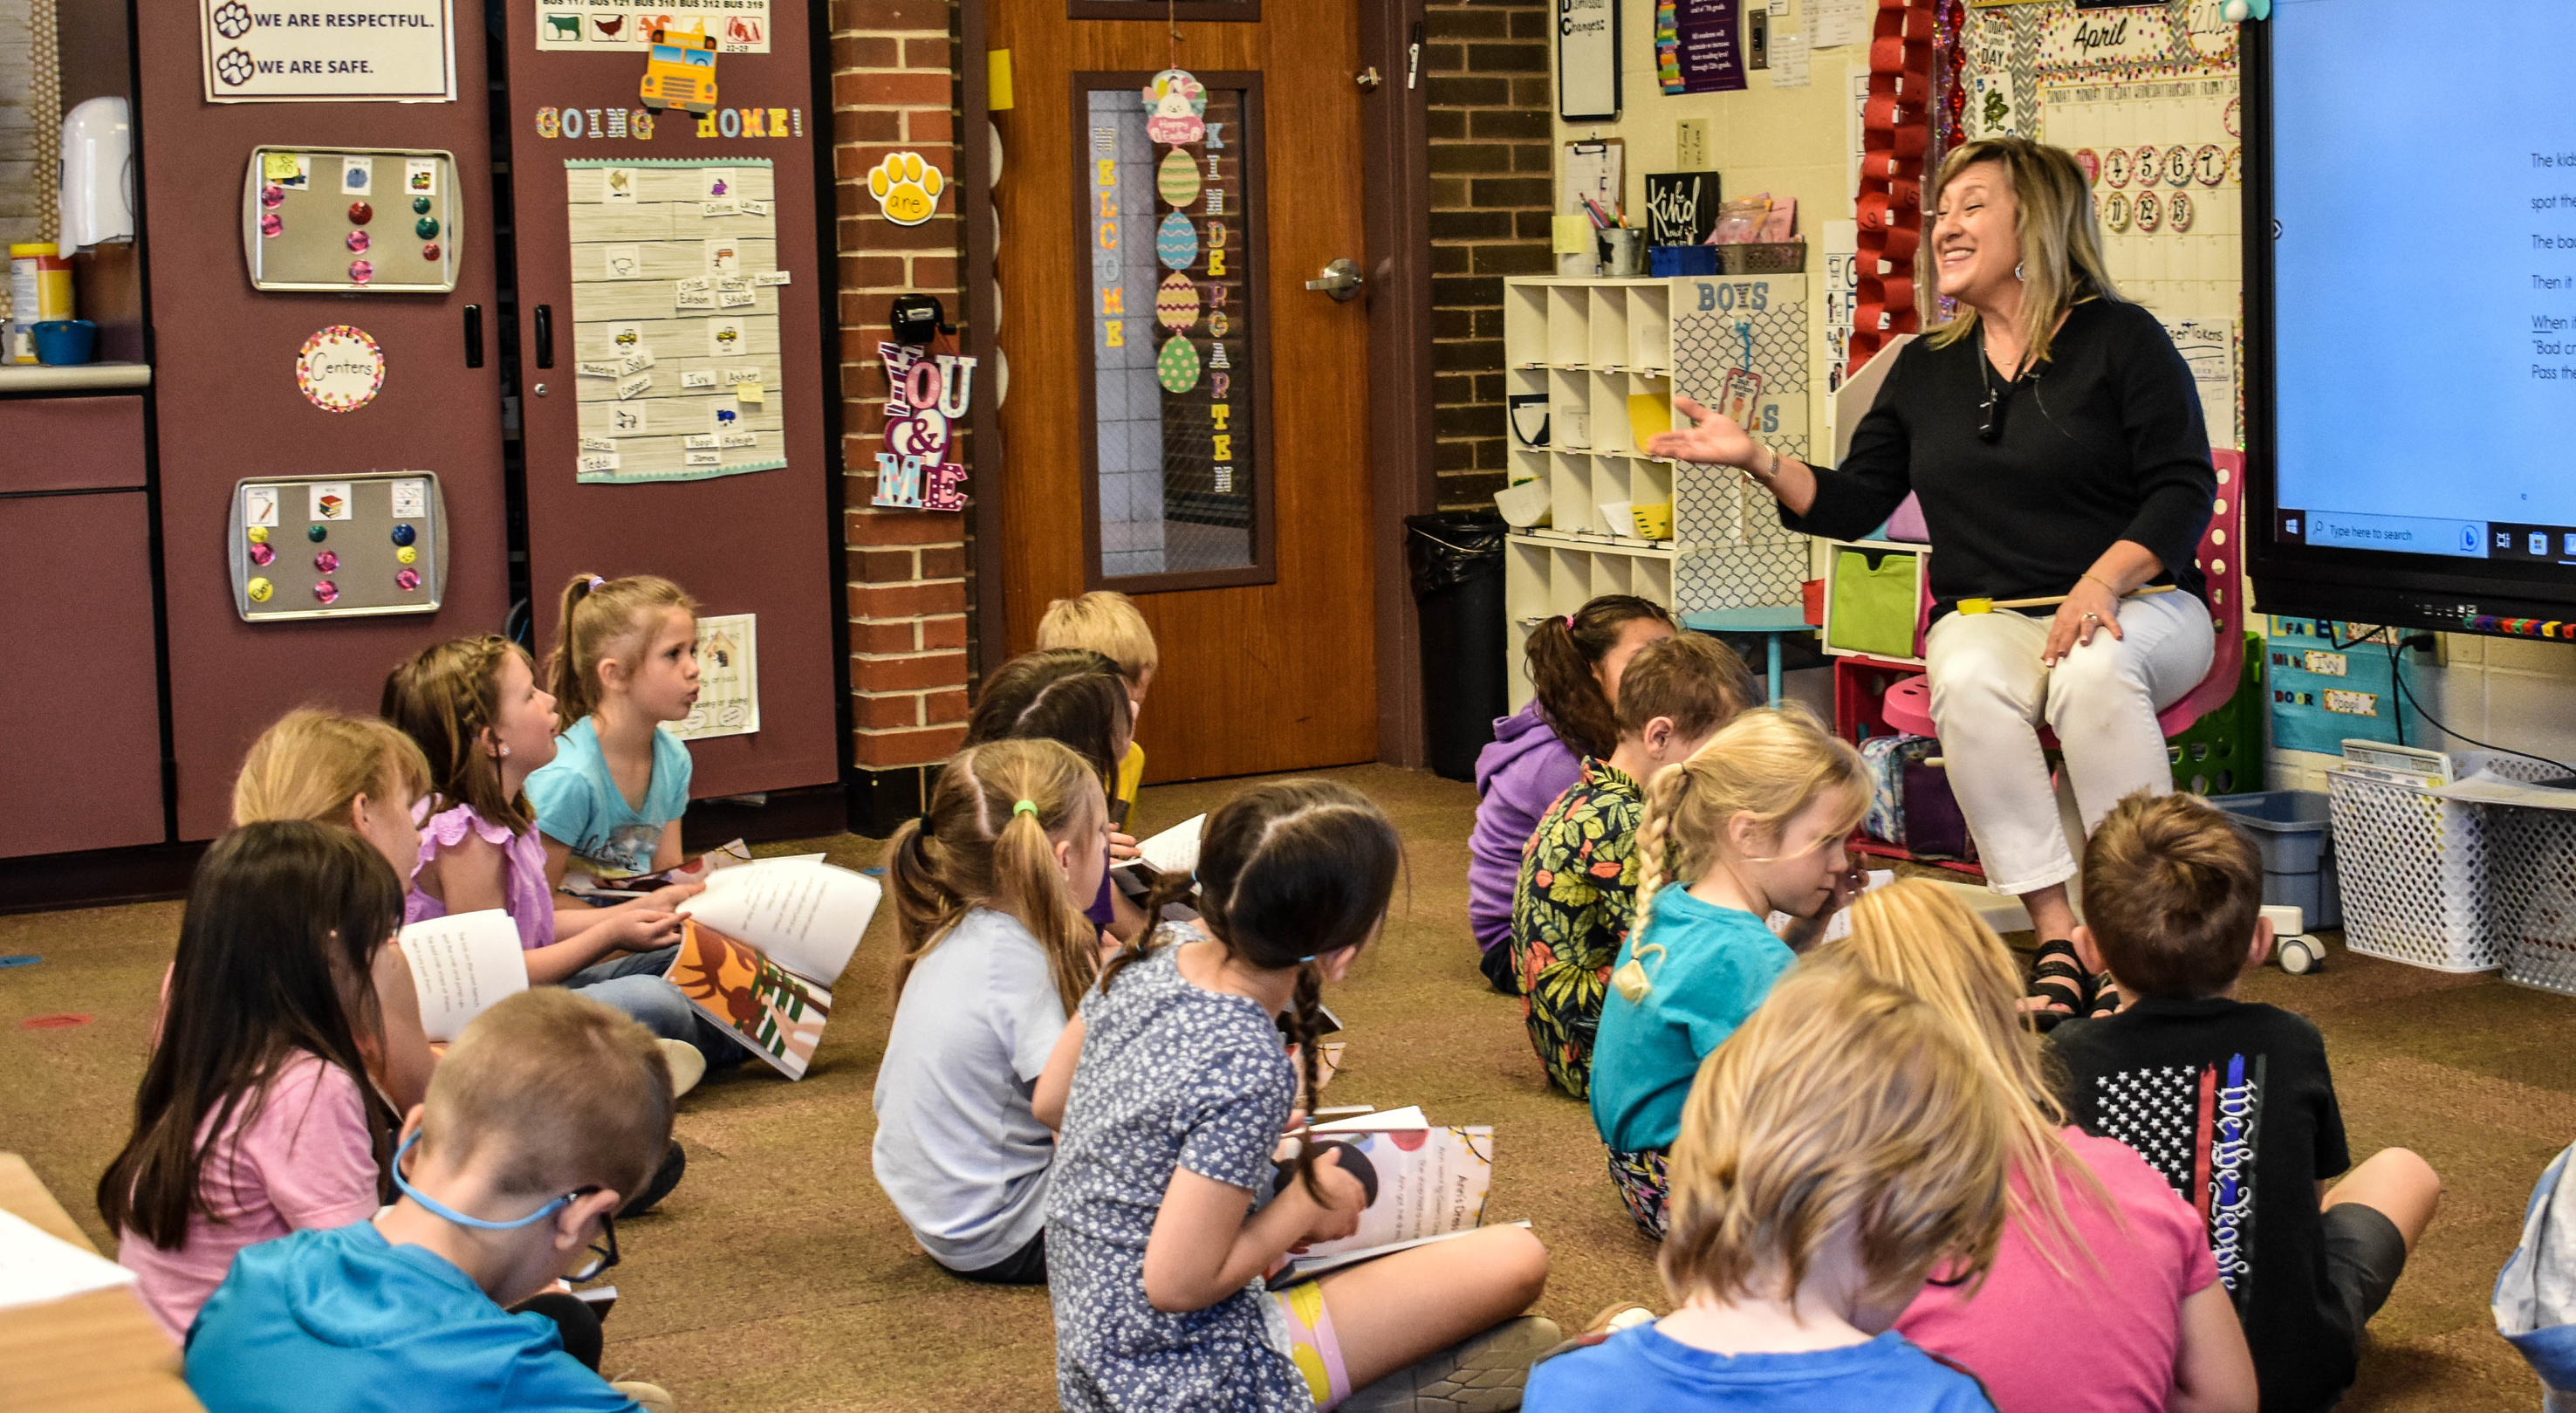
(1457, 562)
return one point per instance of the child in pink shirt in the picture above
(255, 1117)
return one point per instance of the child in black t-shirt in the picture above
(2232, 1101)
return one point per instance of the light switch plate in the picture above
(1690, 145)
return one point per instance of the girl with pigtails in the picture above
(1174, 1192)
(988, 886)
(1750, 825)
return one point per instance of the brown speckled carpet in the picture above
(777, 1277)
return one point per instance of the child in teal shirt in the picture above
(1752, 824)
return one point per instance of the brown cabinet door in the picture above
(228, 407)
(1177, 392)
(83, 769)
(607, 224)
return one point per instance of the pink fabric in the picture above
(523, 873)
(304, 1162)
(2094, 1340)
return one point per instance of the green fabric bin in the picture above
(1873, 607)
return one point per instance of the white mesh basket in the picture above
(2418, 871)
(2531, 874)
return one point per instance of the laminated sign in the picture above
(350, 51)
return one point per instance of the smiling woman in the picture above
(2052, 435)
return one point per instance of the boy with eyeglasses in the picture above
(547, 1110)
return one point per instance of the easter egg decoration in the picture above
(1176, 244)
(1178, 178)
(1177, 366)
(1176, 99)
(1176, 304)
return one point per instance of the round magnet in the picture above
(259, 590)
(256, 534)
(406, 579)
(325, 590)
(318, 532)
(429, 252)
(272, 196)
(328, 561)
(270, 223)
(406, 555)
(358, 241)
(261, 555)
(2178, 212)
(426, 227)
(404, 534)
(361, 213)
(420, 205)
(361, 271)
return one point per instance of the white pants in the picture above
(1990, 692)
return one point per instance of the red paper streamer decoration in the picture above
(1896, 133)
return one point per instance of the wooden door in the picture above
(675, 468)
(1186, 422)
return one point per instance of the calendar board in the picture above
(675, 345)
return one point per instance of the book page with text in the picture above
(461, 965)
(805, 916)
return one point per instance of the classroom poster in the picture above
(1699, 46)
(728, 680)
(359, 51)
(611, 26)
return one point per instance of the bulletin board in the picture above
(675, 317)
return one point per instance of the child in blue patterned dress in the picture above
(1173, 1091)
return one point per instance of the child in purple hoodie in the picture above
(1537, 752)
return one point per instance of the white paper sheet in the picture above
(462, 965)
(1175, 850)
(803, 914)
(37, 1267)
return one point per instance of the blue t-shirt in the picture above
(579, 806)
(339, 1321)
(1643, 1368)
(1716, 966)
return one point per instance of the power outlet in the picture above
(1690, 145)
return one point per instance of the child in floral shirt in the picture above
(1577, 892)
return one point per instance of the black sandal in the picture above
(2059, 978)
(2106, 998)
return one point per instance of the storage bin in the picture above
(1873, 600)
(2222, 753)
(2419, 870)
(2533, 875)
(2294, 831)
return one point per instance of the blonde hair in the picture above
(1770, 763)
(1920, 939)
(1108, 623)
(314, 764)
(570, 1092)
(2061, 246)
(446, 698)
(975, 848)
(602, 618)
(1841, 1102)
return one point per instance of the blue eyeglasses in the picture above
(602, 1257)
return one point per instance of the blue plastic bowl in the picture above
(66, 341)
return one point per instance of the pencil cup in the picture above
(1622, 252)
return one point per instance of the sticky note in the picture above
(1573, 235)
(280, 166)
(748, 394)
(997, 79)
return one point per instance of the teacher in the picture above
(2054, 438)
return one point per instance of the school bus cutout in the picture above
(680, 71)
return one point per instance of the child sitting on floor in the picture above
(333, 768)
(625, 661)
(1578, 886)
(1750, 825)
(1174, 1093)
(1075, 697)
(2233, 1101)
(1835, 1150)
(988, 890)
(1107, 622)
(549, 1111)
(1537, 752)
(2095, 1242)
(255, 1117)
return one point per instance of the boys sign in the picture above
(924, 398)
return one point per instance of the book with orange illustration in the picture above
(762, 947)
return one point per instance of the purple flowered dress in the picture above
(523, 873)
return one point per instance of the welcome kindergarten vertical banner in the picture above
(352, 51)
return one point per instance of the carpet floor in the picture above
(778, 1278)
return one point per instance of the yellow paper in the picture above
(748, 394)
(279, 167)
(1648, 415)
(1573, 235)
(997, 79)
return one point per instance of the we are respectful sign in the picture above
(358, 51)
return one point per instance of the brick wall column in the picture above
(1490, 193)
(893, 90)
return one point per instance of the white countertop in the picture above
(38, 377)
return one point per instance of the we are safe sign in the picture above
(388, 51)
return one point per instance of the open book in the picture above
(761, 948)
(1175, 850)
(461, 965)
(582, 885)
(1423, 1183)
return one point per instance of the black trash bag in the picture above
(1448, 548)
(1457, 567)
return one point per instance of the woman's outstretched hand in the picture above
(1713, 439)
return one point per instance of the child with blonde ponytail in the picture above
(625, 661)
(1752, 824)
(988, 889)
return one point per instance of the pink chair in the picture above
(1908, 706)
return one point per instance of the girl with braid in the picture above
(988, 890)
(1752, 824)
(1174, 1193)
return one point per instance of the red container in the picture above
(1812, 594)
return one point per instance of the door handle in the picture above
(1341, 280)
(545, 336)
(474, 336)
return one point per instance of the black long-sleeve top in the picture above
(2103, 442)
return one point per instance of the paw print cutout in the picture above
(906, 188)
(233, 66)
(232, 19)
